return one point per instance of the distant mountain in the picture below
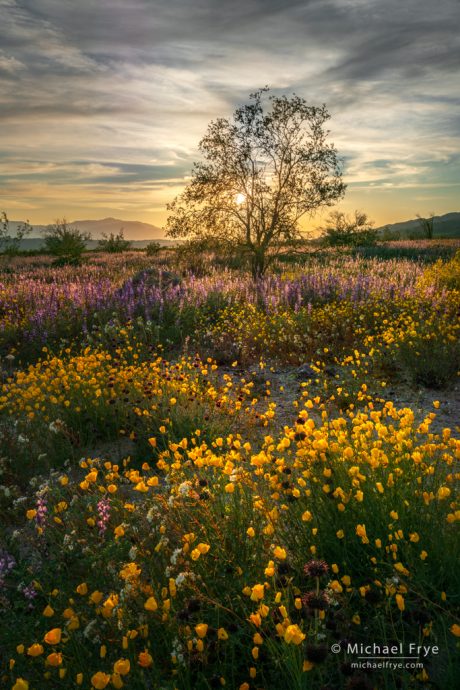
(132, 229)
(447, 225)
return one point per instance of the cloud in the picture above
(119, 93)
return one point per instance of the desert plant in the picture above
(153, 248)
(114, 244)
(427, 225)
(262, 173)
(65, 243)
(10, 245)
(348, 231)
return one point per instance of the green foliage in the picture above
(11, 245)
(153, 248)
(65, 243)
(262, 173)
(348, 231)
(444, 274)
(114, 244)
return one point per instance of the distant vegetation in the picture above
(65, 243)
(262, 172)
(114, 243)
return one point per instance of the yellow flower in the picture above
(455, 629)
(122, 667)
(119, 531)
(229, 488)
(35, 650)
(201, 629)
(336, 586)
(151, 604)
(250, 532)
(270, 569)
(100, 680)
(256, 619)
(400, 602)
(48, 612)
(20, 684)
(54, 659)
(82, 589)
(257, 592)
(279, 553)
(293, 634)
(96, 597)
(222, 634)
(361, 532)
(145, 659)
(117, 681)
(443, 492)
(30, 516)
(53, 636)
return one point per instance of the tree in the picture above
(153, 248)
(114, 244)
(262, 172)
(348, 231)
(427, 225)
(8, 244)
(66, 243)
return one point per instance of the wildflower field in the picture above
(208, 481)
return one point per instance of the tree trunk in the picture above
(258, 263)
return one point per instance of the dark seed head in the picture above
(316, 568)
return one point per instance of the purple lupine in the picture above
(7, 563)
(103, 511)
(42, 511)
(29, 592)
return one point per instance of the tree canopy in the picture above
(261, 173)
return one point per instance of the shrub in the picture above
(348, 231)
(66, 243)
(153, 248)
(443, 274)
(10, 245)
(114, 244)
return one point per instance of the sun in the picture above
(240, 198)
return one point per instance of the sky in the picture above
(103, 103)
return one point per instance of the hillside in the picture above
(132, 229)
(447, 225)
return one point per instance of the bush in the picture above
(114, 244)
(11, 245)
(153, 248)
(65, 243)
(443, 274)
(345, 231)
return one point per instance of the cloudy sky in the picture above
(103, 103)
